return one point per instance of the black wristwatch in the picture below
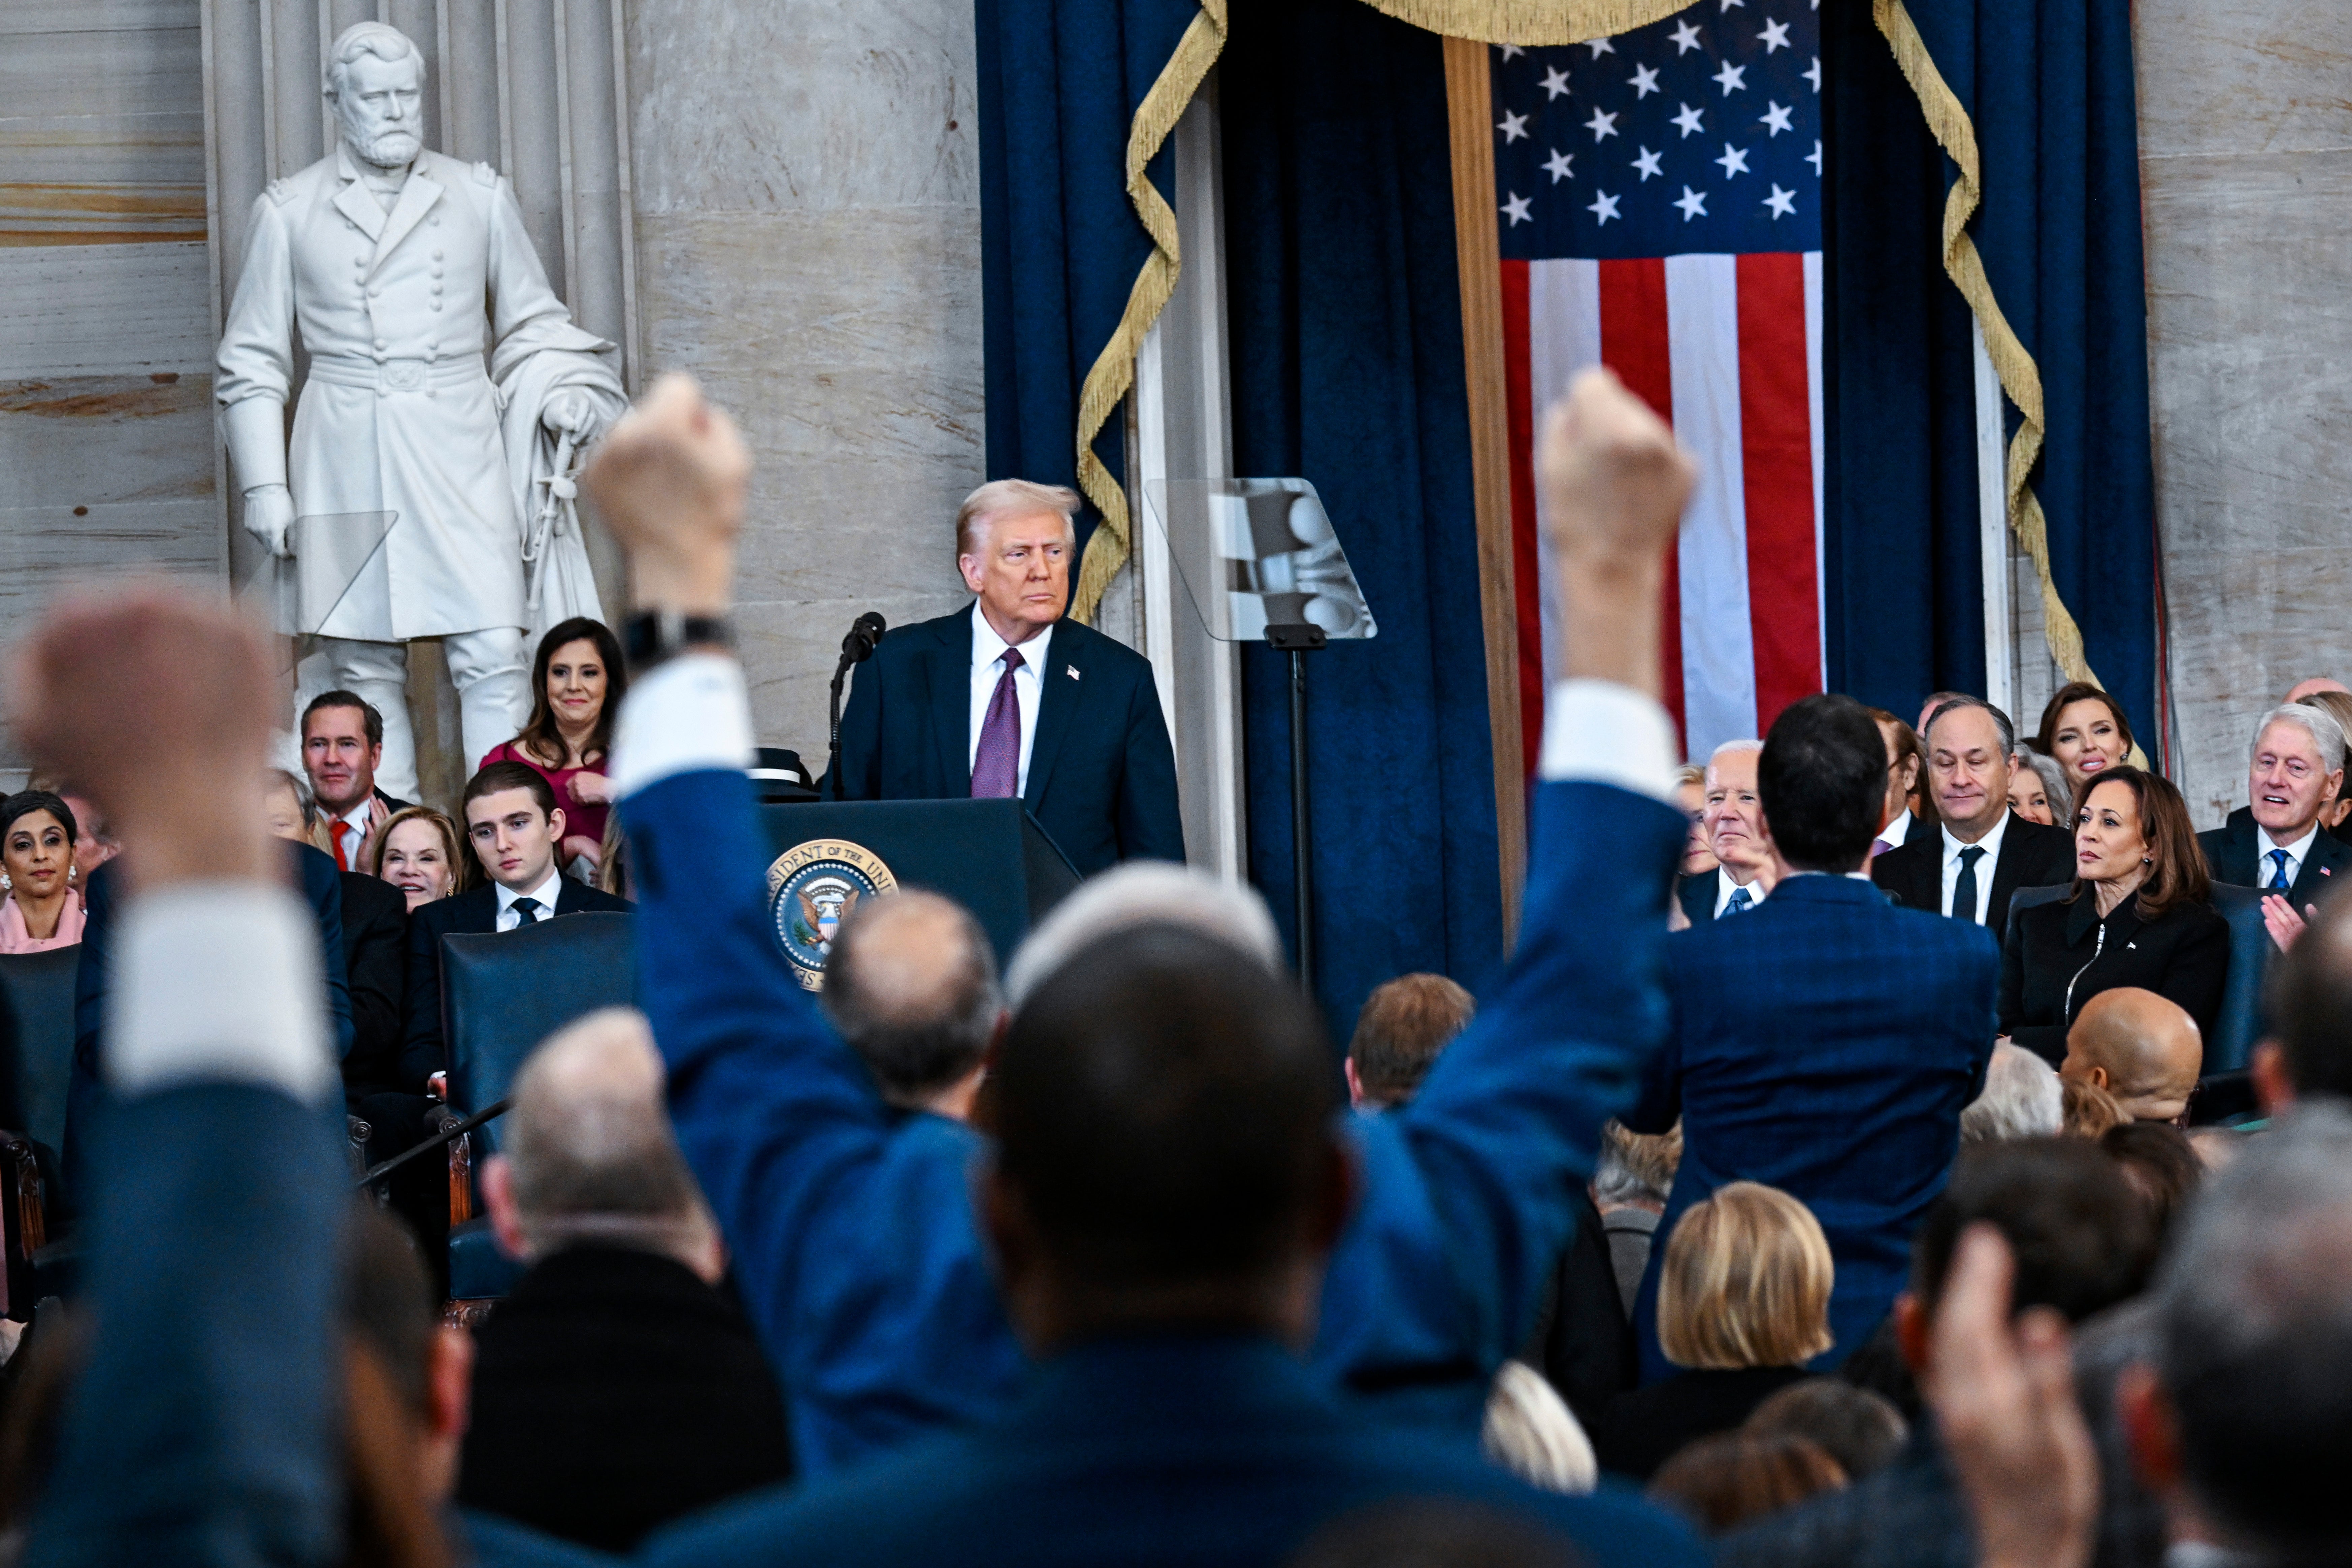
(649, 637)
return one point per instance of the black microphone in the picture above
(856, 649)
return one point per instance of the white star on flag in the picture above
(1814, 75)
(1775, 36)
(1814, 158)
(1782, 203)
(1511, 49)
(1559, 166)
(1686, 38)
(1734, 160)
(1648, 164)
(1731, 77)
(1599, 46)
(1605, 208)
(1513, 127)
(1555, 82)
(1644, 82)
(1689, 119)
(1727, 5)
(1775, 119)
(1693, 204)
(1603, 126)
(1515, 209)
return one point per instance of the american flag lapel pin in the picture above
(1071, 670)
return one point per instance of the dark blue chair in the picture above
(39, 991)
(501, 996)
(2240, 1027)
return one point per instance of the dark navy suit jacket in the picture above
(1824, 1044)
(851, 1223)
(1205, 1451)
(2234, 854)
(1102, 776)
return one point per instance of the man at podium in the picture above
(1007, 698)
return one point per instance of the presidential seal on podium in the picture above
(811, 888)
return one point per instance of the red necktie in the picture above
(996, 766)
(341, 864)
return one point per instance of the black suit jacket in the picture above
(2183, 954)
(2031, 856)
(1102, 776)
(2234, 854)
(375, 953)
(1697, 895)
(423, 1052)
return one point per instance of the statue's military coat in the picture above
(398, 413)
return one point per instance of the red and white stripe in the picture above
(1728, 349)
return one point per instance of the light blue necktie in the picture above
(1739, 903)
(2278, 883)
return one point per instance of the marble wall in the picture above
(2246, 170)
(807, 188)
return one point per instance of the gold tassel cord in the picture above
(1529, 23)
(2019, 377)
(1113, 372)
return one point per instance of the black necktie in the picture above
(1964, 887)
(526, 912)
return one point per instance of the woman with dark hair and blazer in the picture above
(576, 686)
(2137, 915)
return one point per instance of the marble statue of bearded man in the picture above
(445, 378)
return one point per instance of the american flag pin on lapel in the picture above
(1071, 670)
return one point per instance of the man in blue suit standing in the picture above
(1825, 1042)
(1007, 698)
(851, 1221)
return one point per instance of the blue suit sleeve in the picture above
(324, 889)
(1467, 1201)
(1151, 822)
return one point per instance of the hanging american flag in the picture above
(1660, 215)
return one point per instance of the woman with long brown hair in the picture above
(577, 683)
(2137, 915)
(2087, 730)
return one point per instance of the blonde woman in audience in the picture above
(1743, 1303)
(290, 810)
(416, 850)
(42, 908)
(2337, 705)
(1698, 856)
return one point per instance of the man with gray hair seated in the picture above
(2021, 1099)
(912, 985)
(2293, 770)
(617, 1387)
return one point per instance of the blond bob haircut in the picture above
(999, 499)
(1745, 1282)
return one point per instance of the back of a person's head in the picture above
(1162, 1111)
(1822, 781)
(1636, 1167)
(2309, 1003)
(1745, 1282)
(390, 1322)
(910, 982)
(1144, 893)
(1402, 1026)
(1530, 1432)
(589, 1141)
(2086, 1111)
(2081, 1237)
(1730, 1479)
(2161, 1166)
(2255, 1340)
(2021, 1099)
(1860, 1430)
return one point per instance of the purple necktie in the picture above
(996, 767)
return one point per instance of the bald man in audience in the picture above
(2142, 1049)
(912, 985)
(2317, 683)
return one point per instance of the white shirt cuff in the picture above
(219, 980)
(690, 714)
(1598, 732)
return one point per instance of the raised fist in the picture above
(1614, 478)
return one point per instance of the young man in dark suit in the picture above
(516, 830)
(1972, 867)
(1008, 698)
(2275, 843)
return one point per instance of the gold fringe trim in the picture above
(1113, 372)
(1532, 23)
(2019, 377)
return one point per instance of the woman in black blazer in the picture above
(2137, 917)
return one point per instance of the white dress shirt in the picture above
(350, 831)
(2265, 843)
(510, 918)
(1991, 845)
(1028, 687)
(1724, 885)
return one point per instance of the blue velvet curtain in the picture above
(2049, 87)
(1344, 312)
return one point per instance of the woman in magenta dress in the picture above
(40, 904)
(576, 686)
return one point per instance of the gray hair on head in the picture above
(2317, 722)
(382, 39)
(2001, 721)
(2053, 774)
(2023, 1099)
(1748, 744)
(1145, 892)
